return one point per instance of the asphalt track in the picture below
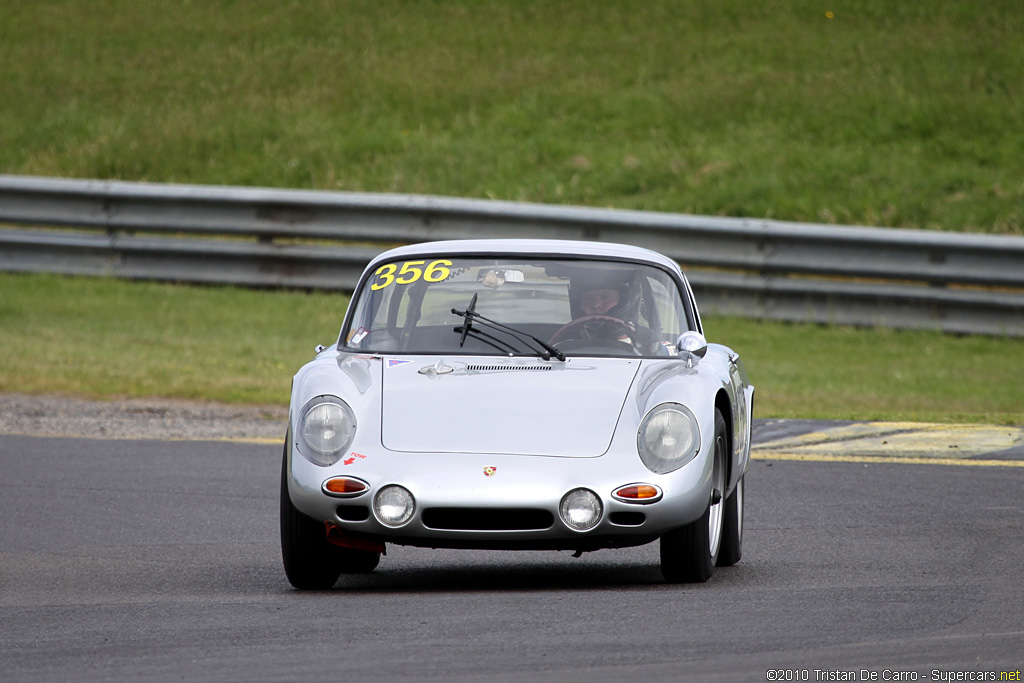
(156, 560)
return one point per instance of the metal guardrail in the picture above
(291, 238)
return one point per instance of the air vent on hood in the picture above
(508, 367)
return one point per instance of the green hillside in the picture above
(873, 112)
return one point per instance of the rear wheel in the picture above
(689, 554)
(310, 561)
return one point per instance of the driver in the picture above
(599, 301)
(604, 292)
(611, 296)
(606, 305)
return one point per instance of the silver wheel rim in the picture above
(715, 511)
(739, 509)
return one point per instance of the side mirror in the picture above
(692, 346)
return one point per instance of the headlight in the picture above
(327, 427)
(580, 509)
(668, 438)
(394, 505)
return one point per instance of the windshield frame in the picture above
(684, 290)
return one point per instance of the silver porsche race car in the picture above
(516, 394)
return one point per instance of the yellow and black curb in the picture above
(890, 442)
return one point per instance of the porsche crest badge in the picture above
(489, 471)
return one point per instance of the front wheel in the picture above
(732, 531)
(310, 561)
(689, 554)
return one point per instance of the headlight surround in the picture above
(668, 438)
(326, 429)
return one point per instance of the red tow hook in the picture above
(335, 536)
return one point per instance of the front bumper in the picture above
(501, 501)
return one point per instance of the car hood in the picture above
(514, 406)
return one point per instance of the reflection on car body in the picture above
(517, 394)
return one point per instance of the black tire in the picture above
(689, 554)
(732, 528)
(358, 561)
(310, 561)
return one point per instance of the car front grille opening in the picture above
(476, 519)
(627, 518)
(353, 513)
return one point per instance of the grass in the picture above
(101, 338)
(902, 114)
(834, 372)
(883, 113)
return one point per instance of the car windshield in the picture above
(517, 306)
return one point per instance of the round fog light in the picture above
(394, 505)
(580, 509)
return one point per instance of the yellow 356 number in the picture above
(411, 271)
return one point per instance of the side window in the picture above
(662, 311)
(377, 320)
(397, 308)
(693, 306)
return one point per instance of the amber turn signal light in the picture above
(637, 493)
(345, 487)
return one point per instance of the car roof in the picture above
(547, 248)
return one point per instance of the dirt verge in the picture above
(139, 418)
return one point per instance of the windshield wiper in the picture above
(467, 327)
(470, 315)
(467, 316)
(491, 340)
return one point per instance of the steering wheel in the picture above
(611, 328)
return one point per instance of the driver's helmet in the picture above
(622, 281)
